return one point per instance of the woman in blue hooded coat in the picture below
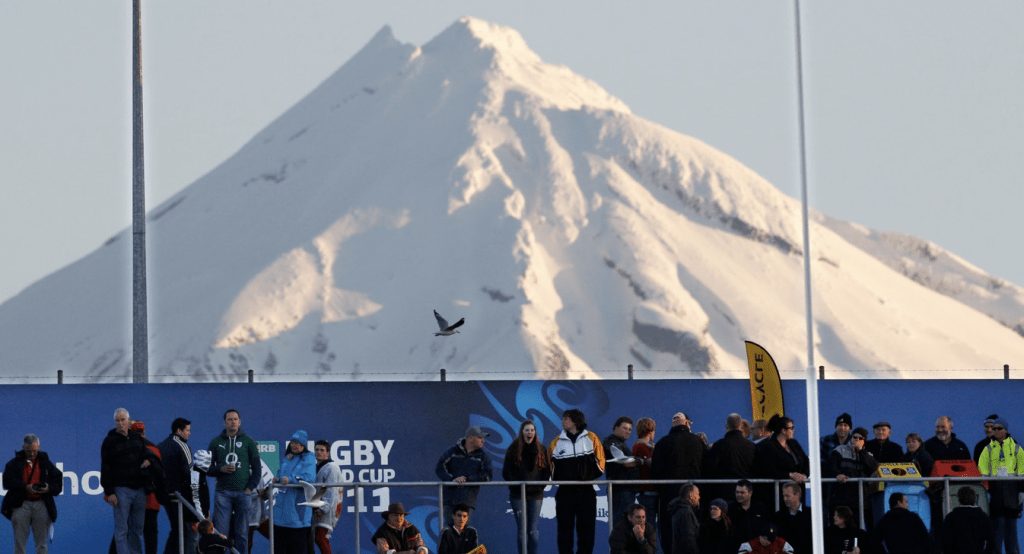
(291, 521)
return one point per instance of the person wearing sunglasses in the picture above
(849, 461)
(1003, 457)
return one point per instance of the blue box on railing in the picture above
(917, 501)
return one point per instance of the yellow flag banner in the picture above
(765, 385)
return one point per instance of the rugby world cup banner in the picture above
(383, 434)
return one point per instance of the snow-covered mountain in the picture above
(470, 177)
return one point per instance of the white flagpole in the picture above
(814, 485)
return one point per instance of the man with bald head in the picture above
(730, 457)
(678, 455)
(944, 445)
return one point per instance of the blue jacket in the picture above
(475, 466)
(287, 512)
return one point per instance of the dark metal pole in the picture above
(523, 519)
(270, 515)
(181, 530)
(1006, 371)
(629, 369)
(442, 380)
(140, 330)
(821, 372)
(250, 376)
(60, 376)
(358, 492)
(440, 509)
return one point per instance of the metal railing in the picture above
(947, 504)
(181, 521)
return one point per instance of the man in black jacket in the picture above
(967, 530)
(124, 463)
(884, 450)
(989, 422)
(677, 455)
(794, 519)
(633, 535)
(684, 512)
(177, 461)
(944, 445)
(747, 515)
(901, 531)
(31, 482)
(731, 457)
(623, 496)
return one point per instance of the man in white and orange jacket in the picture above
(576, 455)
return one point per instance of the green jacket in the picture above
(243, 452)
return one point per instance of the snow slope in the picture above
(470, 177)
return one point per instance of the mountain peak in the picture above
(480, 34)
(472, 178)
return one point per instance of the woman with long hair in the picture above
(843, 536)
(526, 460)
(716, 530)
(781, 457)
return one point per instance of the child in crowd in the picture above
(210, 541)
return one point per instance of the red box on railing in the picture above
(957, 468)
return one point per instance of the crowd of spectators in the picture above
(684, 517)
(717, 518)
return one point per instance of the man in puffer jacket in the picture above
(685, 521)
(466, 462)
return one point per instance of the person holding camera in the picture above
(31, 482)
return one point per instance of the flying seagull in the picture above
(312, 496)
(446, 329)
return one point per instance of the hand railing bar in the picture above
(650, 482)
(181, 522)
(522, 484)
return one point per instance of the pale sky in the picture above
(915, 109)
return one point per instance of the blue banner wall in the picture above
(395, 432)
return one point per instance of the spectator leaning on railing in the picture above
(466, 462)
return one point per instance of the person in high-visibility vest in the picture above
(1003, 457)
